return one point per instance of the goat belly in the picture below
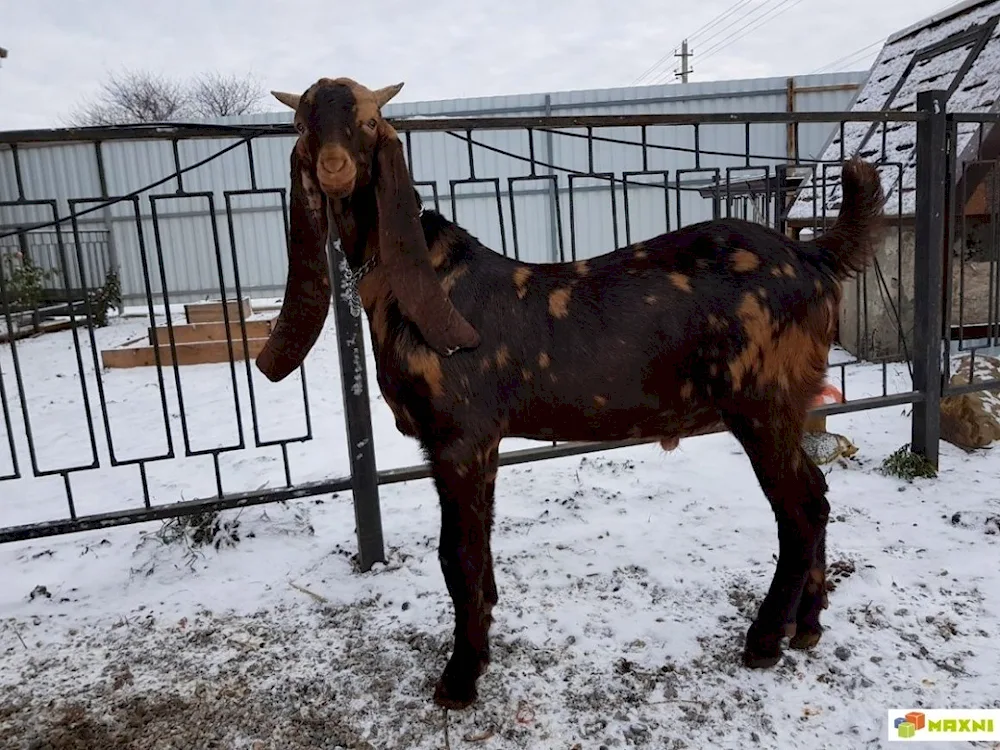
(597, 417)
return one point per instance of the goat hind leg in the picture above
(466, 512)
(808, 629)
(783, 470)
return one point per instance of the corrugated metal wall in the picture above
(195, 238)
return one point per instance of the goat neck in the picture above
(356, 220)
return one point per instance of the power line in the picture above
(740, 21)
(667, 56)
(736, 21)
(851, 56)
(777, 10)
(652, 68)
(719, 18)
(782, 7)
(705, 26)
(843, 60)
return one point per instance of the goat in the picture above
(722, 322)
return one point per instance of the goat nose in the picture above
(334, 163)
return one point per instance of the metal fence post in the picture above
(553, 188)
(781, 197)
(357, 412)
(928, 271)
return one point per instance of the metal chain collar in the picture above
(353, 278)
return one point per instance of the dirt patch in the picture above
(215, 718)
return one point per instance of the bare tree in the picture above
(217, 95)
(140, 96)
(134, 96)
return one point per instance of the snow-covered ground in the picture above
(627, 580)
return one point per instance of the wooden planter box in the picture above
(204, 339)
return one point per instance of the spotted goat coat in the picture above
(723, 322)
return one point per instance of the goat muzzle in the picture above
(336, 172)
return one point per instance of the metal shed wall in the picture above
(192, 227)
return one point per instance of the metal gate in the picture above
(215, 214)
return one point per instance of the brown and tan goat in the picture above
(719, 322)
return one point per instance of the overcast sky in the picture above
(60, 50)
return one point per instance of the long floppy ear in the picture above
(407, 260)
(307, 288)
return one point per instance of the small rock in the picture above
(637, 733)
(842, 652)
(40, 591)
(876, 660)
(405, 606)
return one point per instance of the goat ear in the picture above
(407, 261)
(289, 100)
(307, 288)
(383, 95)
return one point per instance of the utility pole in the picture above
(685, 57)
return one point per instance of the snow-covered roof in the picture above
(957, 50)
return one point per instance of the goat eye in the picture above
(372, 124)
(300, 127)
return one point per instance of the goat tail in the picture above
(851, 243)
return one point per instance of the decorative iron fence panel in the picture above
(177, 437)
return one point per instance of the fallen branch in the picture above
(480, 737)
(313, 594)
(17, 633)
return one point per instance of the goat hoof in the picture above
(450, 693)
(805, 639)
(756, 661)
(762, 652)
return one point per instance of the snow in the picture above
(627, 580)
(977, 92)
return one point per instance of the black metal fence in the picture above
(127, 425)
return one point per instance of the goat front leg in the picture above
(464, 480)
